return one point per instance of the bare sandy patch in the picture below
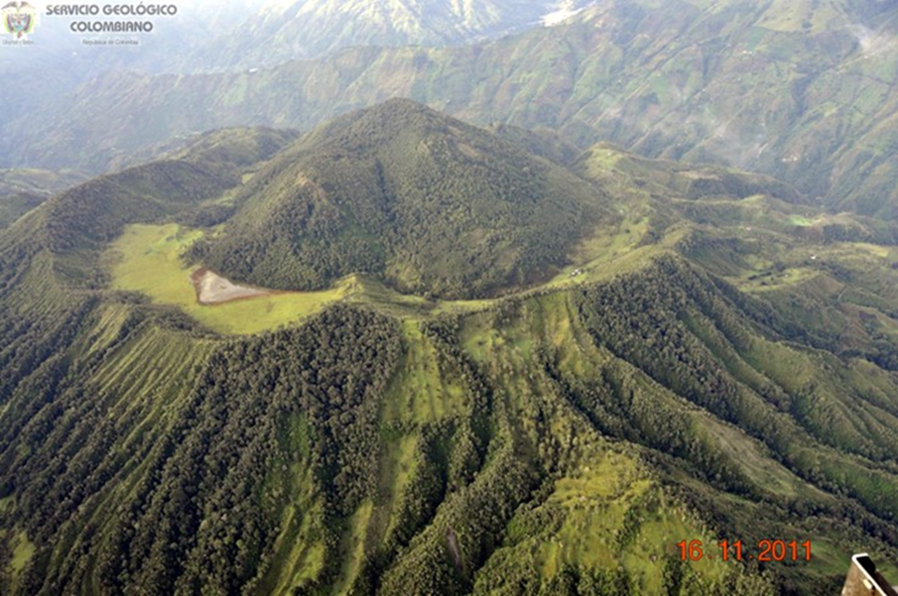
(469, 151)
(212, 288)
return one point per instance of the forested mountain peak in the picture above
(369, 129)
(421, 200)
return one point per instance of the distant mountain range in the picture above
(241, 35)
(799, 92)
(302, 29)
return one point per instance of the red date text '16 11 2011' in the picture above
(767, 551)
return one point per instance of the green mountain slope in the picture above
(425, 202)
(692, 374)
(21, 190)
(532, 492)
(799, 91)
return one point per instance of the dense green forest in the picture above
(359, 451)
(702, 361)
(431, 204)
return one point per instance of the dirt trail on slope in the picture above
(452, 541)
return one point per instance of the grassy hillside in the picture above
(581, 473)
(160, 274)
(16, 204)
(23, 189)
(36, 181)
(715, 362)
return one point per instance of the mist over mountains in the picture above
(797, 92)
(284, 30)
(240, 35)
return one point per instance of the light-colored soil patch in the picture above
(212, 288)
(147, 259)
(469, 151)
(454, 550)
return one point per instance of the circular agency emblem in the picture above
(19, 19)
